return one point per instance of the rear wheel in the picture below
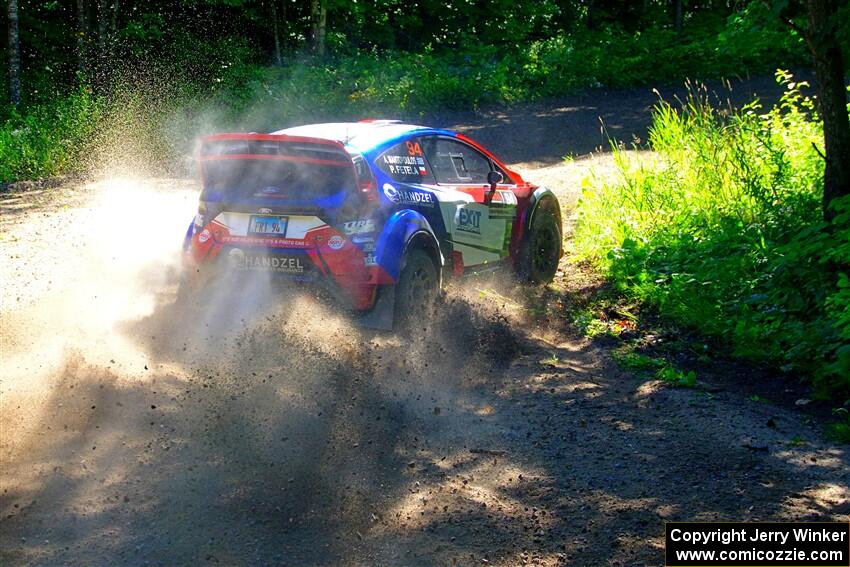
(417, 289)
(542, 249)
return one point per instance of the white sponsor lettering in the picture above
(359, 226)
(274, 263)
(408, 197)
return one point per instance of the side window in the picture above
(405, 163)
(364, 176)
(455, 163)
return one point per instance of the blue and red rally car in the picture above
(379, 212)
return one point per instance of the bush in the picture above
(50, 138)
(722, 231)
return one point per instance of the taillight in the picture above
(369, 188)
(366, 184)
(200, 219)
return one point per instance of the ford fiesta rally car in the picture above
(378, 212)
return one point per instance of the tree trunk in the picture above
(113, 28)
(318, 22)
(82, 37)
(14, 55)
(679, 17)
(323, 21)
(103, 19)
(116, 9)
(277, 56)
(591, 14)
(832, 99)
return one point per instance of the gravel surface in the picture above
(268, 430)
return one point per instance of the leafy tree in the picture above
(821, 31)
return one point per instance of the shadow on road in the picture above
(541, 134)
(286, 436)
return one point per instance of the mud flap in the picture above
(382, 315)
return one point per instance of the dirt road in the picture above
(138, 431)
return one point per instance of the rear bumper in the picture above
(327, 260)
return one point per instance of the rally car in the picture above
(379, 212)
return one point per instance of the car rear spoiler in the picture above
(276, 147)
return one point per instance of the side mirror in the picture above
(493, 178)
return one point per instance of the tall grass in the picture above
(131, 128)
(722, 232)
(49, 139)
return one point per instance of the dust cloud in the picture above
(144, 426)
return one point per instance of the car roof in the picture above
(358, 137)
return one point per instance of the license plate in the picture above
(275, 226)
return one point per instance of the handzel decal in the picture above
(274, 263)
(408, 197)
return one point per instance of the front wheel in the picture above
(542, 249)
(417, 289)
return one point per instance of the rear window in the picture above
(274, 179)
(218, 148)
(270, 169)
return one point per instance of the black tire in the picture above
(542, 249)
(417, 289)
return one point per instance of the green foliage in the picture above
(840, 430)
(50, 138)
(174, 71)
(722, 232)
(361, 82)
(672, 375)
(663, 370)
(750, 41)
(797, 441)
(635, 361)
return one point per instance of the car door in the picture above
(479, 228)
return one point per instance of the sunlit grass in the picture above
(723, 232)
